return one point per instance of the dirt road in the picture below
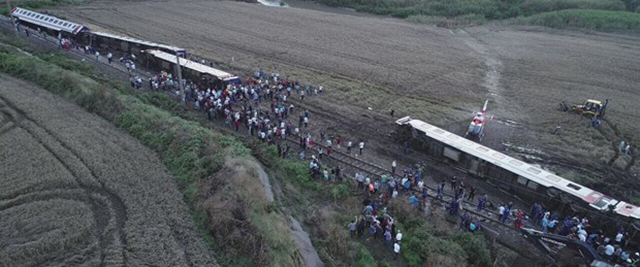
(434, 74)
(76, 191)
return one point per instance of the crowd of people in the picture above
(614, 249)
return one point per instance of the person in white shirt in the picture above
(619, 237)
(608, 250)
(361, 147)
(399, 236)
(393, 167)
(396, 250)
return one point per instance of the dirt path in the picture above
(76, 191)
(492, 66)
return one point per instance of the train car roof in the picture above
(224, 76)
(47, 21)
(528, 171)
(138, 41)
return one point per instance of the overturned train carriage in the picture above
(194, 71)
(527, 181)
(128, 45)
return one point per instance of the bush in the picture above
(475, 246)
(486, 9)
(590, 19)
(340, 192)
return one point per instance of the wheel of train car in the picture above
(554, 193)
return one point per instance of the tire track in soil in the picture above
(9, 120)
(100, 215)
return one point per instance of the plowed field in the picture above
(438, 75)
(75, 191)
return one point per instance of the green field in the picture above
(601, 20)
(619, 15)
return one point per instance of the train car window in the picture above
(534, 170)
(438, 131)
(515, 162)
(483, 149)
(65, 25)
(498, 155)
(522, 180)
(573, 186)
(601, 203)
(533, 185)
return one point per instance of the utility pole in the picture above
(184, 101)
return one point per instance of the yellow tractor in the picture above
(590, 107)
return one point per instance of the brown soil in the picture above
(437, 75)
(77, 192)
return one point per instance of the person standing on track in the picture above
(472, 193)
(393, 167)
(481, 202)
(349, 147)
(361, 146)
(454, 184)
(440, 191)
(110, 58)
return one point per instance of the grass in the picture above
(605, 15)
(424, 246)
(601, 20)
(37, 4)
(489, 9)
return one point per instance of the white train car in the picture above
(47, 23)
(526, 180)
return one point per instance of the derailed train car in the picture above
(127, 45)
(203, 74)
(525, 180)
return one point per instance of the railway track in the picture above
(507, 236)
(373, 170)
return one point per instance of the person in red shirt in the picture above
(519, 218)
